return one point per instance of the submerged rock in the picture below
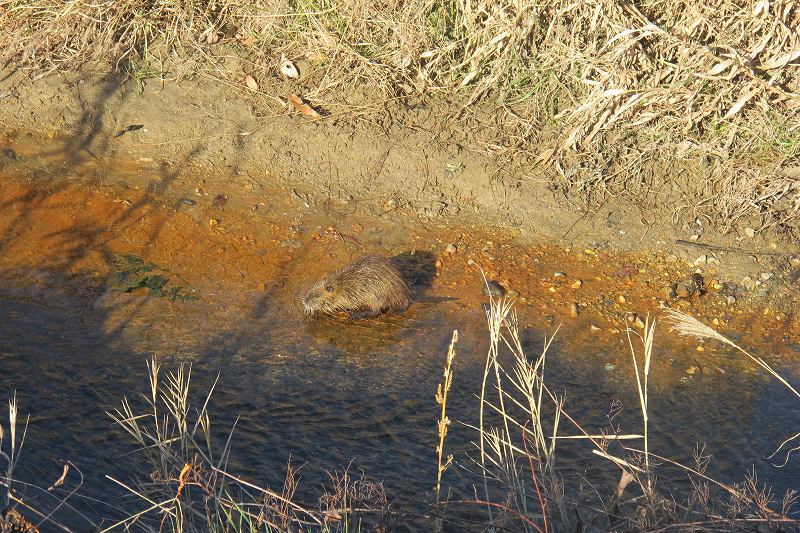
(493, 288)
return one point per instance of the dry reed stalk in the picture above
(441, 399)
(641, 387)
(689, 326)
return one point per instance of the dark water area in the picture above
(330, 394)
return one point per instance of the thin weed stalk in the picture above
(441, 399)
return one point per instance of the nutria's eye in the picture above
(329, 288)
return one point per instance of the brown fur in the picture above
(370, 285)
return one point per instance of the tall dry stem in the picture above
(441, 399)
(641, 387)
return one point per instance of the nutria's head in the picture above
(325, 296)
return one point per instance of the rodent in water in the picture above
(370, 285)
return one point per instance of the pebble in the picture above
(639, 322)
(765, 276)
(513, 294)
(438, 263)
(576, 284)
(694, 237)
(683, 291)
(700, 349)
(701, 261)
(559, 274)
(748, 282)
(750, 232)
(610, 367)
(731, 300)
(594, 328)
(692, 370)
(715, 321)
(188, 201)
(573, 309)
(669, 292)
(451, 249)
(471, 262)
(291, 243)
(671, 258)
(213, 222)
(493, 288)
(795, 262)
(621, 299)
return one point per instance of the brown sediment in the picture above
(275, 242)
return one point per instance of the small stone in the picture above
(750, 232)
(715, 321)
(610, 367)
(765, 276)
(794, 262)
(683, 291)
(573, 309)
(594, 328)
(694, 237)
(188, 201)
(639, 322)
(748, 282)
(700, 349)
(692, 370)
(438, 263)
(471, 262)
(291, 243)
(701, 261)
(493, 288)
(451, 249)
(213, 222)
(731, 300)
(576, 284)
(669, 292)
(513, 294)
(671, 258)
(621, 299)
(559, 274)
(552, 289)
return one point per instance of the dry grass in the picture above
(191, 489)
(610, 93)
(518, 451)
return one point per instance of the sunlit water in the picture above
(330, 394)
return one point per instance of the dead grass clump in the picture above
(611, 90)
(522, 425)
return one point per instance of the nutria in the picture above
(368, 286)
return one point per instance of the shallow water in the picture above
(328, 393)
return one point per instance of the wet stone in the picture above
(291, 243)
(493, 288)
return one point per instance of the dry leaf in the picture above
(302, 107)
(251, 83)
(60, 481)
(288, 68)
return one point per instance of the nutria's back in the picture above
(371, 284)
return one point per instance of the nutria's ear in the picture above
(329, 288)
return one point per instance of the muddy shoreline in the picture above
(264, 178)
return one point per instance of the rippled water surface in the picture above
(330, 393)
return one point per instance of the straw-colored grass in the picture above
(517, 451)
(618, 97)
(444, 421)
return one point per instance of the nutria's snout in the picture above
(371, 284)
